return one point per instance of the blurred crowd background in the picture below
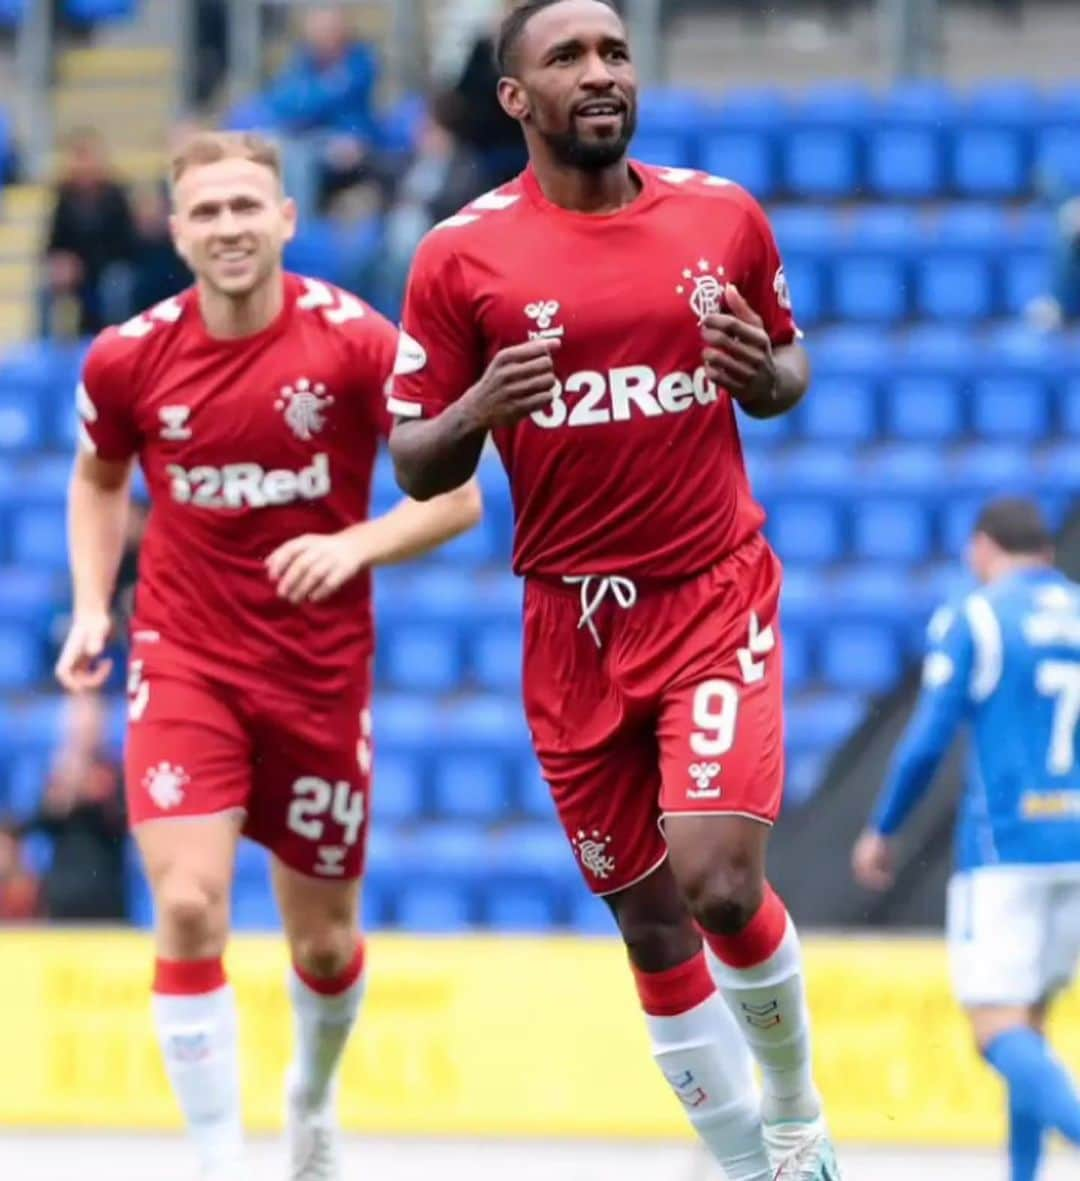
(921, 162)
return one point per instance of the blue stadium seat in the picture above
(746, 157)
(91, 12)
(1057, 155)
(806, 530)
(495, 662)
(872, 592)
(1007, 101)
(895, 230)
(471, 787)
(807, 284)
(488, 723)
(253, 908)
(991, 469)
(21, 426)
(22, 658)
(1007, 408)
(434, 908)
(12, 12)
(841, 410)
(424, 657)
(1032, 227)
(666, 149)
(39, 538)
(475, 547)
(822, 722)
(533, 854)
(811, 231)
(944, 350)
(590, 916)
(861, 657)
(397, 786)
(140, 902)
(761, 433)
(27, 775)
(957, 517)
(951, 288)
(30, 598)
(533, 796)
(820, 162)
(1025, 277)
(869, 290)
(817, 469)
(930, 101)
(450, 851)
(924, 408)
(1059, 469)
(905, 162)
(509, 907)
(803, 777)
(378, 907)
(837, 102)
(970, 227)
(1069, 407)
(798, 658)
(990, 162)
(894, 530)
(853, 352)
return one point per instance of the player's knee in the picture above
(724, 897)
(326, 953)
(657, 945)
(191, 914)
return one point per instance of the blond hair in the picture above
(211, 147)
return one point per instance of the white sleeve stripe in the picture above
(404, 409)
(85, 407)
(85, 441)
(986, 635)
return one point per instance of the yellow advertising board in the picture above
(487, 1036)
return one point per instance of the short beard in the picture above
(573, 152)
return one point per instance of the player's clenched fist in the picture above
(314, 566)
(81, 665)
(519, 381)
(738, 352)
(873, 861)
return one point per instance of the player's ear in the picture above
(177, 237)
(512, 99)
(289, 213)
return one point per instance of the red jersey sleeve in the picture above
(439, 355)
(762, 280)
(373, 343)
(105, 401)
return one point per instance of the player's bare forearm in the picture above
(791, 365)
(98, 500)
(413, 528)
(436, 455)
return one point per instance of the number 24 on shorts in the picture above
(315, 798)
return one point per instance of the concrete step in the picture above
(18, 278)
(151, 64)
(23, 203)
(19, 241)
(18, 319)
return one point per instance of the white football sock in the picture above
(322, 1026)
(704, 1058)
(199, 1040)
(769, 1004)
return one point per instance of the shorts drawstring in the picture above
(594, 590)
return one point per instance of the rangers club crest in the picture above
(304, 405)
(704, 288)
(165, 785)
(592, 849)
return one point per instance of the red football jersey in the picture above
(244, 445)
(636, 468)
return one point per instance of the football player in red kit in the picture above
(254, 403)
(603, 320)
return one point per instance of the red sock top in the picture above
(676, 991)
(335, 985)
(188, 977)
(758, 940)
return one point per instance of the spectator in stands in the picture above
(82, 811)
(471, 110)
(323, 104)
(20, 892)
(1062, 304)
(159, 272)
(91, 244)
(443, 175)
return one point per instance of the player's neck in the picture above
(604, 191)
(233, 319)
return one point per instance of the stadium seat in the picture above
(820, 162)
(424, 657)
(1069, 407)
(817, 469)
(21, 426)
(798, 659)
(810, 231)
(486, 723)
(1007, 408)
(537, 855)
(28, 772)
(807, 284)
(992, 469)
(1059, 469)
(759, 434)
(928, 101)
(590, 916)
(805, 530)
(895, 230)
(869, 290)
(746, 157)
(904, 163)
(509, 907)
(532, 795)
(951, 288)
(434, 908)
(1025, 277)
(1006, 101)
(958, 514)
(12, 12)
(803, 777)
(872, 592)
(969, 227)
(91, 12)
(39, 538)
(397, 786)
(666, 149)
(842, 410)
(894, 530)
(30, 598)
(495, 659)
(22, 658)
(860, 657)
(852, 351)
(822, 721)
(924, 408)
(1057, 155)
(253, 909)
(471, 787)
(944, 350)
(990, 162)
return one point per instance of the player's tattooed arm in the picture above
(435, 455)
(766, 381)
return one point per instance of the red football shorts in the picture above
(677, 709)
(299, 769)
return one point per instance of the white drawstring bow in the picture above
(594, 590)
